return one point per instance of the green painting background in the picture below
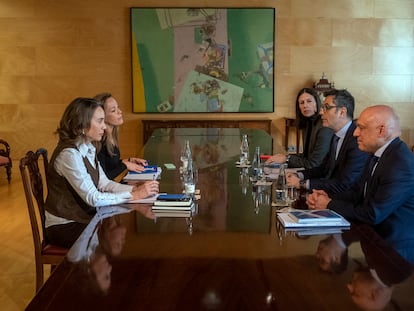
(247, 28)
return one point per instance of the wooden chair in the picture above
(5, 158)
(33, 184)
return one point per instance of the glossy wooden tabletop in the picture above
(230, 255)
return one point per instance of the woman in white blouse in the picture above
(77, 185)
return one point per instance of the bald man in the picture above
(384, 197)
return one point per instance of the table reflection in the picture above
(374, 279)
(102, 240)
(107, 261)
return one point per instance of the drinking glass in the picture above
(292, 196)
(190, 180)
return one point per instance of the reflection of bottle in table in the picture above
(244, 150)
(257, 171)
(244, 179)
(281, 187)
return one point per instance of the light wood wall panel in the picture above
(373, 32)
(394, 9)
(333, 9)
(54, 51)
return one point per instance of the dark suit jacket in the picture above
(389, 201)
(347, 170)
(318, 145)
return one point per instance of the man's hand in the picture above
(292, 180)
(318, 199)
(277, 158)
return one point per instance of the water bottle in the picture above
(281, 187)
(190, 178)
(257, 170)
(185, 154)
(244, 151)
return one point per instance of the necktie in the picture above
(335, 140)
(372, 164)
(332, 155)
(370, 171)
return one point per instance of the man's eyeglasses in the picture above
(326, 107)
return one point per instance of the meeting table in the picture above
(230, 254)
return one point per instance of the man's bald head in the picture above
(376, 126)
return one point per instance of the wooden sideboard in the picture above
(149, 125)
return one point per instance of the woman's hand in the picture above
(135, 164)
(145, 189)
(139, 161)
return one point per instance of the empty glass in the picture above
(190, 178)
(292, 196)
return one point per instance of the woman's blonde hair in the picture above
(110, 139)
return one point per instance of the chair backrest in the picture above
(5, 159)
(33, 184)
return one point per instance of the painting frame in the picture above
(202, 60)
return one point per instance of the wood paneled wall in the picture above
(54, 51)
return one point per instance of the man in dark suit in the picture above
(345, 162)
(384, 197)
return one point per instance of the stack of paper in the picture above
(151, 172)
(306, 231)
(173, 205)
(312, 218)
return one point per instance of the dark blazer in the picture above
(389, 201)
(347, 170)
(317, 138)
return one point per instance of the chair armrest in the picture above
(5, 149)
